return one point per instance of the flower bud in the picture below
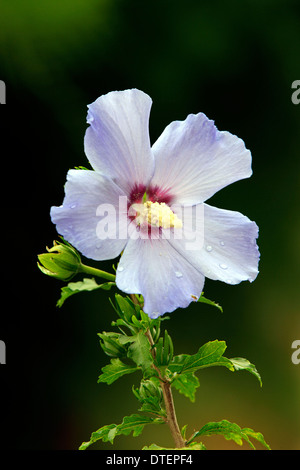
(149, 389)
(61, 262)
(110, 344)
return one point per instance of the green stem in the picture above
(96, 272)
(171, 418)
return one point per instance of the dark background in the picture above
(235, 61)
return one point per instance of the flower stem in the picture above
(96, 272)
(171, 415)
(171, 418)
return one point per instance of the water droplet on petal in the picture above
(222, 243)
(178, 274)
(120, 268)
(209, 248)
(223, 266)
(73, 206)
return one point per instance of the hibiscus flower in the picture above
(148, 203)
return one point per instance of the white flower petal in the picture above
(193, 160)
(156, 270)
(90, 208)
(117, 142)
(227, 249)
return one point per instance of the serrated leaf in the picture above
(113, 371)
(139, 352)
(256, 435)
(209, 302)
(231, 431)
(239, 363)
(134, 423)
(104, 434)
(187, 384)
(192, 446)
(208, 355)
(87, 284)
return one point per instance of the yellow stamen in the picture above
(157, 214)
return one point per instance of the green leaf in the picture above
(256, 435)
(183, 431)
(192, 446)
(187, 384)
(139, 352)
(209, 355)
(231, 431)
(86, 284)
(239, 363)
(209, 302)
(134, 423)
(106, 433)
(115, 370)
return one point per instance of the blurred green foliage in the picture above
(234, 61)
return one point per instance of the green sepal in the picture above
(134, 424)
(149, 394)
(164, 350)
